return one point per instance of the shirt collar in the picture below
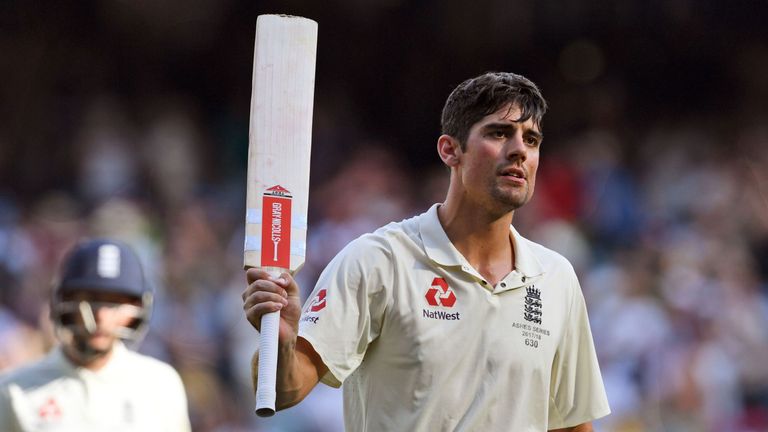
(440, 249)
(526, 261)
(436, 243)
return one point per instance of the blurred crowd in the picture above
(671, 247)
(120, 121)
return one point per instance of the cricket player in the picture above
(450, 320)
(91, 381)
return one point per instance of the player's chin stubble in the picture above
(513, 199)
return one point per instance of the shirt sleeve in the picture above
(176, 404)
(344, 313)
(8, 420)
(577, 391)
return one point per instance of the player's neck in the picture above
(468, 219)
(482, 238)
(93, 364)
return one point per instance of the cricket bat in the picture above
(279, 144)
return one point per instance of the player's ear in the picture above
(449, 150)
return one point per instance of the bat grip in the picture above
(268, 343)
(265, 387)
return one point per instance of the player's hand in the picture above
(266, 294)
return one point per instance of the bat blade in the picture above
(279, 148)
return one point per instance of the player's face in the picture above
(500, 159)
(109, 313)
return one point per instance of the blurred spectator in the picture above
(118, 122)
(105, 153)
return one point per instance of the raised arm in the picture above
(299, 367)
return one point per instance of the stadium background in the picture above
(130, 119)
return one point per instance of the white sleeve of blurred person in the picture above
(19, 344)
(168, 389)
(8, 422)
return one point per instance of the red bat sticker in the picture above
(276, 228)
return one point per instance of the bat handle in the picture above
(268, 342)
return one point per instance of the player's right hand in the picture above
(266, 294)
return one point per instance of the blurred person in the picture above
(753, 167)
(566, 237)
(192, 333)
(92, 381)
(194, 265)
(381, 193)
(107, 165)
(611, 209)
(560, 190)
(741, 329)
(449, 320)
(172, 154)
(698, 380)
(53, 222)
(19, 342)
(633, 331)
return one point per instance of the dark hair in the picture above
(477, 97)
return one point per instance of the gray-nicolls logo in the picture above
(533, 305)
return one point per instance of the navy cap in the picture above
(102, 265)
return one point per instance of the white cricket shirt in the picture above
(132, 392)
(423, 343)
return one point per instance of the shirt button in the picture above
(523, 279)
(484, 282)
(503, 284)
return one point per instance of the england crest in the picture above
(533, 305)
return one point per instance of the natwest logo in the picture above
(318, 303)
(439, 294)
(50, 410)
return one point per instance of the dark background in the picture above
(129, 119)
(384, 69)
